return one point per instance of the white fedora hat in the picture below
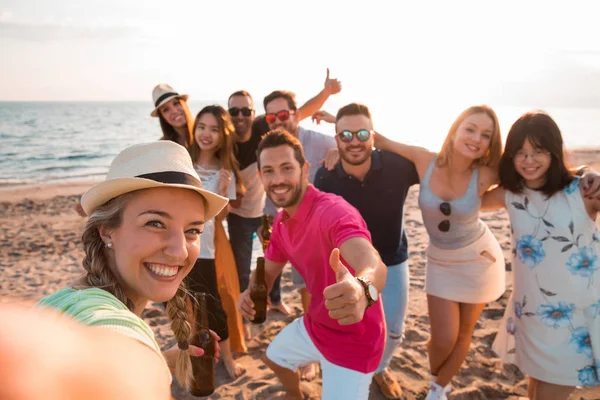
(142, 166)
(163, 93)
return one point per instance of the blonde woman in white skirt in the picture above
(465, 265)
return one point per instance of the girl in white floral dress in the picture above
(551, 327)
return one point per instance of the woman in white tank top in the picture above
(214, 273)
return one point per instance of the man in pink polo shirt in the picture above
(344, 328)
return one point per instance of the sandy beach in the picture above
(40, 252)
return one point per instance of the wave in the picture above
(69, 168)
(82, 157)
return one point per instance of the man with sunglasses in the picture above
(282, 113)
(376, 183)
(243, 221)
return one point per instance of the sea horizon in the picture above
(70, 141)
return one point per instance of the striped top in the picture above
(97, 307)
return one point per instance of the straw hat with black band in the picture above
(163, 93)
(142, 166)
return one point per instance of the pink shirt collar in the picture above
(306, 205)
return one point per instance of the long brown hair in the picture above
(492, 156)
(99, 275)
(169, 133)
(225, 153)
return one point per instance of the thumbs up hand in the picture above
(332, 85)
(345, 299)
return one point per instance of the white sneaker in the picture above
(436, 392)
(447, 389)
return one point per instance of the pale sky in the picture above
(405, 53)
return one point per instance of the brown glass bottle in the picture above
(203, 366)
(258, 292)
(266, 232)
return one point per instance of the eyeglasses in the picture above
(446, 209)
(362, 135)
(536, 155)
(282, 115)
(235, 111)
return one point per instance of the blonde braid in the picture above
(178, 314)
(99, 274)
(95, 263)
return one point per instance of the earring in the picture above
(109, 245)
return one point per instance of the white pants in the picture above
(292, 348)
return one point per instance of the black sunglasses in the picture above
(446, 209)
(235, 111)
(362, 135)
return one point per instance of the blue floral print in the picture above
(556, 315)
(530, 250)
(588, 376)
(584, 262)
(518, 309)
(572, 187)
(511, 327)
(553, 327)
(581, 342)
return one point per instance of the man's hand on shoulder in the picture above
(331, 158)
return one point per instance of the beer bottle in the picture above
(259, 293)
(266, 232)
(203, 366)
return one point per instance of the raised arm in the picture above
(332, 86)
(43, 355)
(360, 254)
(420, 156)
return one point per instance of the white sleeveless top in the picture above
(551, 326)
(210, 181)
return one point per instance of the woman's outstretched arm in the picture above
(45, 355)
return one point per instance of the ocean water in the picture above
(57, 141)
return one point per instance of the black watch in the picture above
(370, 290)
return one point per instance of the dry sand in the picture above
(40, 252)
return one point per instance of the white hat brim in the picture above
(107, 190)
(154, 112)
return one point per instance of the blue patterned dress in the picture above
(551, 327)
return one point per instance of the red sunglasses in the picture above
(282, 115)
